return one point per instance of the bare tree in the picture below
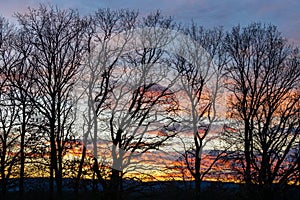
(56, 37)
(21, 83)
(17, 108)
(9, 138)
(138, 116)
(120, 87)
(9, 111)
(199, 63)
(263, 79)
(109, 33)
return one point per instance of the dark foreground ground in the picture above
(173, 190)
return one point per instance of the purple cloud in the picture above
(209, 13)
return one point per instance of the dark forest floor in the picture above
(162, 191)
(160, 195)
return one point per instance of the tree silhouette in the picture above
(56, 37)
(110, 31)
(199, 63)
(142, 101)
(9, 111)
(263, 80)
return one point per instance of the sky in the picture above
(210, 13)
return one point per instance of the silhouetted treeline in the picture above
(91, 97)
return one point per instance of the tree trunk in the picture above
(3, 188)
(22, 164)
(247, 155)
(22, 153)
(76, 189)
(115, 184)
(99, 177)
(59, 140)
(53, 161)
(197, 172)
(3, 178)
(58, 174)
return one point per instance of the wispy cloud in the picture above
(209, 13)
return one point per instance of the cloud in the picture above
(8, 8)
(210, 13)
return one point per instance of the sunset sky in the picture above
(210, 13)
